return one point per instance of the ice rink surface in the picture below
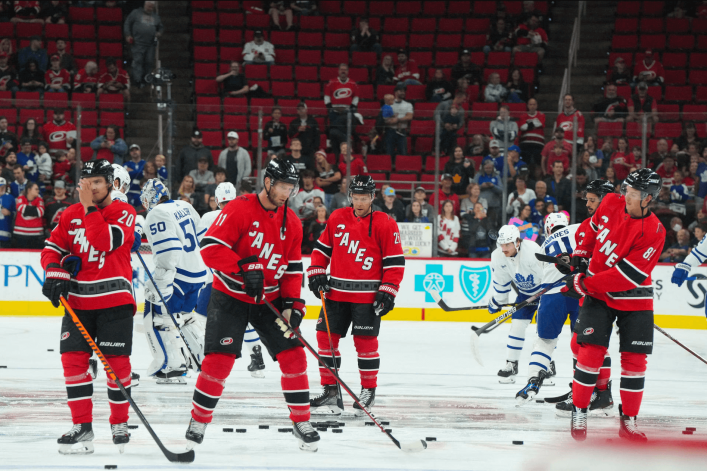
(429, 386)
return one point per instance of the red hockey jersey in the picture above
(532, 129)
(57, 77)
(407, 72)
(244, 228)
(650, 73)
(121, 76)
(566, 122)
(102, 239)
(623, 252)
(30, 217)
(56, 134)
(360, 262)
(341, 94)
(81, 78)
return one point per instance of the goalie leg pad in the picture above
(193, 331)
(164, 342)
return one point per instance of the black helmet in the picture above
(362, 185)
(98, 168)
(601, 188)
(645, 180)
(281, 170)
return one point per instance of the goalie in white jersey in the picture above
(180, 273)
(224, 193)
(554, 307)
(514, 262)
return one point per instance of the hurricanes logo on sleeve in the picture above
(525, 283)
(588, 331)
(342, 93)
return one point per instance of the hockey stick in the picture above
(411, 446)
(186, 457)
(683, 346)
(191, 352)
(339, 399)
(445, 307)
(474, 328)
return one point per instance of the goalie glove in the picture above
(293, 311)
(385, 299)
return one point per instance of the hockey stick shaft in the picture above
(339, 399)
(338, 379)
(677, 342)
(447, 308)
(186, 457)
(176, 324)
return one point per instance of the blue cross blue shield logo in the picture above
(475, 281)
(434, 279)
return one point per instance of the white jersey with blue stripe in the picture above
(118, 195)
(524, 270)
(206, 221)
(561, 241)
(698, 255)
(171, 229)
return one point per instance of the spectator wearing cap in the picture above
(531, 37)
(110, 146)
(32, 77)
(143, 27)
(642, 104)
(27, 11)
(189, 155)
(445, 193)
(620, 75)
(502, 130)
(494, 150)
(303, 203)
(495, 92)
(202, 175)
(306, 129)
(451, 114)
(275, 133)
(297, 158)
(512, 157)
(406, 72)
(258, 51)
(392, 206)
(439, 88)
(649, 71)
(489, 181)
(466, 68)
(86, 80)
(56, 204)
(135, 167)
(114, 80)
(236, 160)
(33, 51)
(8, 74)
(397, 127)
(426, 209)
(364, 39)
(56, 79)
(55, 12)
(499, 38)
(7, 211)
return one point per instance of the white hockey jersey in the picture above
(118, 195)
(171, 229)
(562, 241)
(698, 256)
(206, 221)
(524, 270)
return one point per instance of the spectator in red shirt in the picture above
(531, 38)
(358, 167)
(666, 170)
(642, 104)
(86, 80)
(57, 80)
(549, 150)
(445, 194)
(340, 97)
(559, 153)
(406, 72)
(622, 160)
(114, 80)
(649, 70)
(27, 12)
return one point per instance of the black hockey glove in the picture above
(574, 287)
(318, 280)
(253, 278)
(56, 283)
(580, 264)
(385, 299)
(294, 311)
(563, 268)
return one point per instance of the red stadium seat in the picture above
(422, 128)
(309, 90)
(404, 177)
(701, 42)
(432, 8)
(378, 177)
(213, 138)
(110, 50)
(681, 42)
(107, 15)
(56, 100)
(408, 163)
(286, 56)
(384, 9)
(201, 18)
(517, 109)
(484, 8)
(232, 20)
(624, 42)
(379, 163)
(88, 134)
(56, 31)
(446, 58)
(27, 99)
(230, 36)
(421, 58)
(699, 25)
(474, 41)
(111, 33)
(421, 41)
(364, 59)
(694, 112)
(254, 21)
(499, 59)
(449, 41)
(84, 49)
(395, 24)
(336, 57)
(310, 40)
(415, 92)
(628, 8)
(283, 72)
(633, 129)
(451, 25)
(626, 25)
(309, 57)
(382, 90)
(675, 76)
(329, 7)
(235, 122)
(653, 41)
(36, 113)
(480, 110)
(255, 71)
(202, 4)
(304, 73)
(365, 92)
(674, 60)
(80, 31)
(651, 25)
(653, 8)
(430, 163)
(235, 105)
(698, 77)
(698, 60)
(368, 109)
(285, 38)
(88, 118)
(207, 104)
(424, 25)
(311, 23)
(265, 103)
(677, 25)
(337, 40)
(208, 121)
(428, 180)
(339, 23)
(359, 74)
(423, 145)
(677, 93)
(667, 130)
(425, 110)
(456, 8)
(205, 70)
(85, 100)
(408, 8)
(394, 41)
(205, 87)
(282, 89)
(206, 54)
(475, 25)
(111, 101)
(668, 112)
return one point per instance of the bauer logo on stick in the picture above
(226, 341)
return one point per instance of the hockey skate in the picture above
(120, 435)
(134, 380)
(601, 404)
(508, 373)
(628, 428)
(368, 399)
(93, 368)
(306, 436)
(257, 365)
(195, 433)
(171, 377)
(531, 390)
(551, 373)
(578, 426)
(327, 402)
(81, 434)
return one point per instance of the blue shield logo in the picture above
(475, 281)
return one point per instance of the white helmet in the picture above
(152, 193)
(553, 221)
(123, 177)
(508, 234)
(225, 192)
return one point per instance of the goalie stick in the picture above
(186, 457)
(411, 446)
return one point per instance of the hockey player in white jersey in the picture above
(695, 258)
(553, 308)
(224, 193)
(514, 262)
(121, 183)
(180, 273)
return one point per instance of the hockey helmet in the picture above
(281, 170)
(601, 188)
(98, 168)
(362, 185)
(123, 177)
(645, 180)
(508, 234)
(225, 192)
(554, 221)
(153, 191)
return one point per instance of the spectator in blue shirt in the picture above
(514, 162)
(28, 160)
(34, 50)
(7, 208)
(18, 186)
(134, 168)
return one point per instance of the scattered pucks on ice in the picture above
(3, 366)
(132, 427)
(687, 432)
(517, 442)
(228, 430)
(389, 430)
(263, 427)
(321, 429)
(370, 423)
(282, 430)
(111, 466)
(51, 350)
(384, 422)
(689, 429)
(341, 424)
(431, 439)
(240, 430)
(540, 401)
(337, 430)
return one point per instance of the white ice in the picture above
(429, 386)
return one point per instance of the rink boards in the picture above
(461, 282)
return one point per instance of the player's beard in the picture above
(99, 202)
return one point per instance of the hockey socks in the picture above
(209, 386)
(295, 385)
(368, 360)
(516, 337)
(541, 357)
(604, 371)
(79, 386)
(251, 338)
(633, 378)
(324, 351)
(119, 405)
(586, 373)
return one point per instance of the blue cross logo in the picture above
(434, 279)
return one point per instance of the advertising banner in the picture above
(416, 239)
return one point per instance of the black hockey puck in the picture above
(228, 430)
(240, 430)
(385, 423)
(132, 427)
(51, 350)
(341, 424)
(263, 427)
(283, 430)
(3, 366)
(337, 430)
(389, 430)
(321, 429)
(687, 432)
(370, 423)
(689, 429)
(111, 466)
(431, 439)
(540, 401)
(517, 442)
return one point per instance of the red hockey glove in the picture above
(253, 278)
(574, 287)
(56, 283)
(318, 280)
(385, 299)
(579, 264)
(294, 311)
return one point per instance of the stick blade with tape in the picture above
(413, 446)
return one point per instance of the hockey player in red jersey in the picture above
(623, 244)
(365, 256)
(87, 260)
(254, 249)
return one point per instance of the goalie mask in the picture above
(152, 193)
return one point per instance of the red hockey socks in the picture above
(574, 346)
(586, 373)
(633, 378)
(119, 405)
(295, 385)
(324, 350)
(368, 359)
(79, 386)
(209, 386)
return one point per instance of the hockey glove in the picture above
(56, 283)
(165, 286)
(493, 307)
(385, 299)
(136, 243)
(574, 287)
(318, 280)
(680, 273)
(294, 310)
(72, 264)
(580, 264)
(253, 278)
(562, 268)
